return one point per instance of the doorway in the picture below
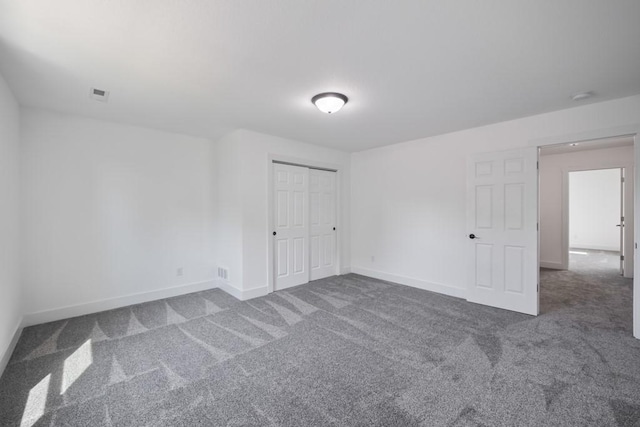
(560, 162)
(596, 220)
(558, 287)
(586, 209)
(304, 224)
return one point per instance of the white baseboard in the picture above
(111, 303)
(552, 265)
(6, 356)
(254, 293)
(410, 281)
(242, 295)
(345, 270)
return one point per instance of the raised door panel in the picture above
(282, 208)
(484, 207)
(315, 252)
(329, 248)
(514, 206)
(282, 257)
(484, 266)
(514, 269)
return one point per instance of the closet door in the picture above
(322, 195)
(291, 228)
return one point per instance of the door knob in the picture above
(472, 236)
(619, 225)
(274, 233)
(334, 229)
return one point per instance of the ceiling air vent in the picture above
(99, 94)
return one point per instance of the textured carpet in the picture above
(342, 351)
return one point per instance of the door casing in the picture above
(632, 130)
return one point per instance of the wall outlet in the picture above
(179, 271)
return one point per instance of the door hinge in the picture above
(621, 219)
(621, 257)
(538, 226)
(622, 179)
(538, 287)
(538, 165)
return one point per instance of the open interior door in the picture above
(502, 229)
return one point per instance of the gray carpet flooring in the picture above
(344, 351)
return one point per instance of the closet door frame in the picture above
(273, 158)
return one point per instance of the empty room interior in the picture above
(285, 213)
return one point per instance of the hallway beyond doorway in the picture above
(592, 287)
(589, 261)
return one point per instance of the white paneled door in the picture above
(502, 230)
(291, 220)
(322, 198)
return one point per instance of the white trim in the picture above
(111, 303)
(625, 130)
(254, 293)
(636, 237)
(552, 265)
(6, 356)
(339, 235)
(345, 270)
(413, 282)
(239, 294)
(230, 289)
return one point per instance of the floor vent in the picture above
(223, 273)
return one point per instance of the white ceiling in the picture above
(596, 144)
(410, 68)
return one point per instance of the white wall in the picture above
(111, 212)
(595, 209)
(553, 172)
(228, 229)
(408, 205)
(244, 189)
(10, 289)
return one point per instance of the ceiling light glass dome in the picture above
(329, 102)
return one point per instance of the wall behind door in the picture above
(594, 209)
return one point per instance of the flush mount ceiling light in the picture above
(329, 102)
(582, 95)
